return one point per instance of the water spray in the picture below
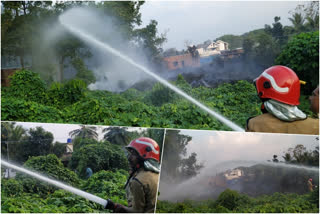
(78, 192)
(83, 35)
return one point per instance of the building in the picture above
(229, 54)
(213, 48)
(181, 61)
(5, 74)
(233, 174)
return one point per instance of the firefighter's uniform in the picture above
(310, 186)
(268, 123)
(141, 191)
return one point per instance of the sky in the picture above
(221, 146)
(198, 21)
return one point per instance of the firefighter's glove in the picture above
(110, 205)
(119, 209)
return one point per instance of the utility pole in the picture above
(8, 158)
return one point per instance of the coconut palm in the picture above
(298, 22)
(85, 132)
(13, 135)
(312, 23)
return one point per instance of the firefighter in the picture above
(278, 87)
(314, 101)
(142, 185)
(310, 185)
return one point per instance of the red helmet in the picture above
(279, 83)
(146, 148)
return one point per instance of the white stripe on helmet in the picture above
(274, 84)
(148, 144)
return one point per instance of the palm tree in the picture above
(298, 22)
(85, 132)
(117, 135)
(312, 23)
(13, 135)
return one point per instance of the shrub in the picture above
(27, 85)
(13, 109)
(11, 187)
(49, 166)
(61, 95)
(228, 199)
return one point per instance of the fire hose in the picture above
(107, 204)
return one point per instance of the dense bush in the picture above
(61, 95)
(228, 199)
(11, 187)
(98, 156)
(13, 109)
(58, 202)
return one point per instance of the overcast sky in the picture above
(221, 146)
(199, 21)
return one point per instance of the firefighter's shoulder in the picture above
(146, 177)
(268, 123)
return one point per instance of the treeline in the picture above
(299, 155)
(19, 144)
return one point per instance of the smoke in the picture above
(111, 73)
(198, 187)
(258, 178)
(211, 74)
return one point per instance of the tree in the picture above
(98, 156)
(176, 165)
(275, 159)
(306, 14)
(298, 22)
(11, 136)
(37, 142)
(301, 55)
(18, 22)
(189, 166)
(278, 32)
(84, 132)
(148, 38)
(193, 51)
(59, 149)
(300, 155)
(117, 135)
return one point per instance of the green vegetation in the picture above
(35, 150)
(231, 201)
(72, 102)
(24, 194)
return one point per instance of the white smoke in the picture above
(111, 72)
